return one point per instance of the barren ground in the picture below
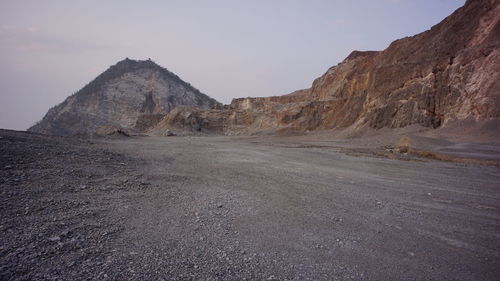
(221, 208)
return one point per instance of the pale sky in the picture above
(227, 49)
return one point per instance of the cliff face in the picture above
(126, 93)
(451, 72)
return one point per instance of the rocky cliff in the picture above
(450, 72)
(130, 94)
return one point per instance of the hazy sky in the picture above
(227, 49)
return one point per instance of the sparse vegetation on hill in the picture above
(118, 96)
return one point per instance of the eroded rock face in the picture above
(192, 120)
(130, 94)
(450, 72)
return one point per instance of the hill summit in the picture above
(119, 97)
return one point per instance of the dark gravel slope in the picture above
(219, 208)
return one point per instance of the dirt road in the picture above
(220, 208)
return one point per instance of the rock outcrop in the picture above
(450, 72)
(130, 95)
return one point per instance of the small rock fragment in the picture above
(55, 238)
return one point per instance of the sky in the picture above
(49, 49)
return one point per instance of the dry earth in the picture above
(227, 208)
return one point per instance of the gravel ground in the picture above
(220, 208)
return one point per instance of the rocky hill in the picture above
(130, 94)
(450, 72)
